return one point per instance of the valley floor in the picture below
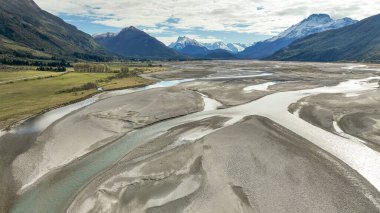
(211, 136)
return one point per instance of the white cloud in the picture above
(267, 17)
(168, 39)
(155, 30)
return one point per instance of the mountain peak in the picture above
(321, 16)
(130, 29)
(184, 41)
(317, 19)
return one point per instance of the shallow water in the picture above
(241, 76)
(209, 103)
(259, 87)
(345, 135)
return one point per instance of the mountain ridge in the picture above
(27, 30)
(184, 41)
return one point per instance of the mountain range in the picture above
(357, 42)
(232, 47)
(216, 50)
(315, 23)
(27, 31)
(183, 41)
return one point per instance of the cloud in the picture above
(266, 17)
(155, 30)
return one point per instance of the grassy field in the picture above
(22, 75)
(21, 99)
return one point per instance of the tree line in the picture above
(86, 67)
(53, 69)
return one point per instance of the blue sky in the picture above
(87, 25)
(240, 21)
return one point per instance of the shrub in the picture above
(83, 87)
(54, 69)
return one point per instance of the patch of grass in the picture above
(22, 99)
(117, 66)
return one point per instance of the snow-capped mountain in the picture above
(357, 42)
(232, 47)
(236, 47)
(216, 46)
(190, 47)
(188, 43)
(183, 42)
(315, 23)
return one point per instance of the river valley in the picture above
(211, 136)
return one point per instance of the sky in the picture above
(230, 21)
